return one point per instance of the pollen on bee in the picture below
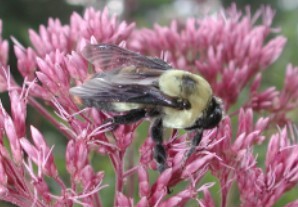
(77, 100)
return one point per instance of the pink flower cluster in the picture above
(229, 49)
(3, 60)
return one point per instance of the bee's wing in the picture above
(123, 86)
(108, 56)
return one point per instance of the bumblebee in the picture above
(137, 87)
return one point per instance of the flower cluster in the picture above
(229, 49)
(3, 60)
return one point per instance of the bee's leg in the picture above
(195, 142)
(159, 151)
(130, 117)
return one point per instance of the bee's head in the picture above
(214, 113)
(211, 117)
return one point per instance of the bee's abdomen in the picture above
(103, 105)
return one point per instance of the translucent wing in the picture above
(127, 85)
(108, 56)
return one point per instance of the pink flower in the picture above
(41, 154)
(100, 26)
(26, 61)
(230, 49)
(3, 49)
(122, 200)
(11, 132)
(76, 157)
(51, 38)
(292, 204)
(264, 100)
(279, 176)
(3, 61)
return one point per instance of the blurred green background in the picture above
(20, 15)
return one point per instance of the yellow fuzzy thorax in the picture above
(194, 88)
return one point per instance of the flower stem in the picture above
(48, 116)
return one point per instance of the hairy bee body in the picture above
(140, 87)
(188, 86)
(174, 83)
